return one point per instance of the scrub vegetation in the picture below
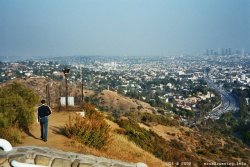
(17, 104)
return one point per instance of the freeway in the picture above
(228, 102)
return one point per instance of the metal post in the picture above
(48, 93)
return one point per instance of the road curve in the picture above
(228, 102)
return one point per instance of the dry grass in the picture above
(122, 149)
(117, 102)
(38, 85)
(167, 132)
(181, 134)
(108, 98)
(128, 151)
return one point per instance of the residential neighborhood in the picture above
(175, 84)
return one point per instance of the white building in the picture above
(243, 77)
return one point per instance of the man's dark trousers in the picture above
(44, 127)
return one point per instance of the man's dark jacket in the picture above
(43, 111)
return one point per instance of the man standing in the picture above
(43, 112)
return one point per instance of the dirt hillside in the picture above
(56, 89)
(120, 148)
(116, 102)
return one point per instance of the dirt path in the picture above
(55, 140)
(131, 152)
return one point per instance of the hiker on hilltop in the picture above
(43, 112)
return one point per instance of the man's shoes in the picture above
(44, 140)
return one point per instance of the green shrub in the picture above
(148, 118)
(202, 152)
(150, 141)
(16, 109)
(91, 130)
(147, 140)
(176, 144)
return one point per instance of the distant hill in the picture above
(115, 102)
(110, 100)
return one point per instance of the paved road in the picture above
(228, 102)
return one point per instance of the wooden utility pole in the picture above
(60, 94)
(82, 86)
(48, 91)
(66, 72)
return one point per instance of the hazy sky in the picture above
(122, 27)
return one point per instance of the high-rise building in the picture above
(226, 51)
(222, 52)
(207, 52)
(237, 52)
(242, 52)
(229, 51)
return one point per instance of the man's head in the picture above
(43, 101)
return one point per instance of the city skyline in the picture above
(133, 28)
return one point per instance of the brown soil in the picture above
(117, 102)
(120, 148)
(55, 140)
